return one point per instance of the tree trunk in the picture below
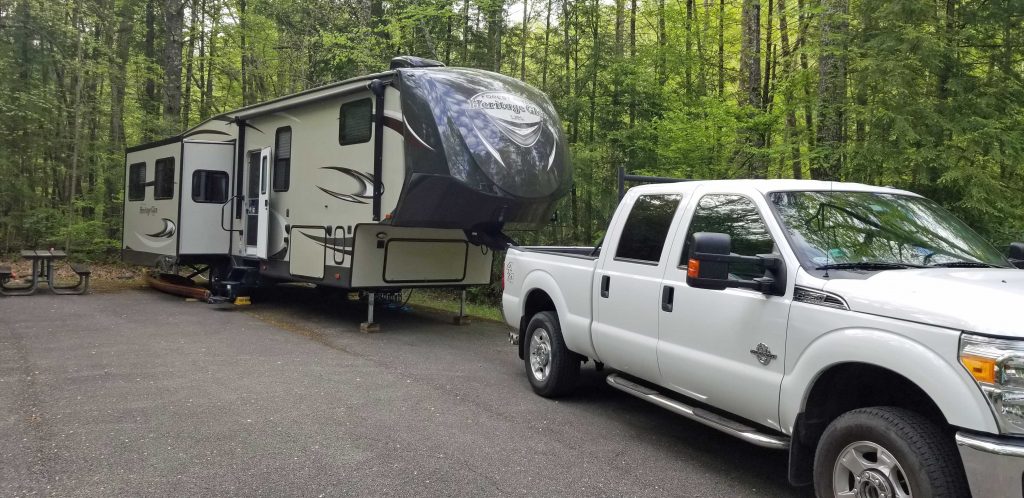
(522, 44)
(750, 88)
(689, 47)
(202, 60)
(595, 61)
(118, 76)
(208, 102)
(174, 17)
(150, 102)
(632, 59)
(547, 39)
(831, 91)
(620, 22)
(186, 108)
(803, 26)
(76, 121)
(721, 48)
(768, 58)
(246, 62)
(465, 33)
(662, 42)
(787, 63)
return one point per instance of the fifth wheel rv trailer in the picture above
(400, 179)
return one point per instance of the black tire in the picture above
(927, 456)
(560, 379)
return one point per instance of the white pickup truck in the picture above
(865, 330)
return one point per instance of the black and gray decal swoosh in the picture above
(336, 244)
(279, 254)
(208, 132)
(166, 232)
(364, 190)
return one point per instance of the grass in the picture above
(449, 301)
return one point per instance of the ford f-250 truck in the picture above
(867, 331)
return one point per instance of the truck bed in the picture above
(567, 275)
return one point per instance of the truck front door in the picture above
(726, 347)
(625, 328)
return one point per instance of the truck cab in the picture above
(865, 330)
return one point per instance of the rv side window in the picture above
(355, 124)
(209, 186)
(137, 182)
(283, 159)
(643, 235)
(163, 185)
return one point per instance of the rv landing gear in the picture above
(369, 325)
(462, 319)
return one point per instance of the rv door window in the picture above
(163, 186)
(209, 186)
(283, 159)
(137, 182)
(356, 122)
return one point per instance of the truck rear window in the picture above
(643, 236)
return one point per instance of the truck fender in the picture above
(948, 385)
(575, 327)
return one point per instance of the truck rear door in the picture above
(726, 347)
(627, 283)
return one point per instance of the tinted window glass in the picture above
(137, 182)
(282, 159)
(738, 217)
(643, 236)
(356, 122)
(876, 227)
(163, 186)
(209, 186)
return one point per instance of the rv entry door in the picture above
(257, 203)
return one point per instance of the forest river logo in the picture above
(148, 210)
(517, 118)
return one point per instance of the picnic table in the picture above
(42, 267)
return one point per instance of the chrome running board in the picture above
(715, 421)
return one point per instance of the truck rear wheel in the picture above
(887, 451)
(553, 369)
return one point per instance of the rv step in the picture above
(713, 420)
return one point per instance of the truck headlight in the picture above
(997, 365)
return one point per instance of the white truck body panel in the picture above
(702, 348)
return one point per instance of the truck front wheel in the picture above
(887, 451)
(553, 369)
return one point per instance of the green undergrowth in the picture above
(448, 301)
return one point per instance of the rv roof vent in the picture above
(412, 61)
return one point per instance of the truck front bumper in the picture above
(994, 465)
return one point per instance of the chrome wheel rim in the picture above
(540, 354)
(867, 470)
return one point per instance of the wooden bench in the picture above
(83, 272)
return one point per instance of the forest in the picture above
(926, 95)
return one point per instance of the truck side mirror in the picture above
(703, 273)
(710, 257)
(1017, 254)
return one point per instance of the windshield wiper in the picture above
(868, 265)
(963, 264)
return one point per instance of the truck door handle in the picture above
(605, 284)
(667, 295)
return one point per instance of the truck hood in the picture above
(985, 300)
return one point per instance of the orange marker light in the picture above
(693, 269)
(982, 369)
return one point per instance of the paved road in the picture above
(139, 393)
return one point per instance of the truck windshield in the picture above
(878, 231)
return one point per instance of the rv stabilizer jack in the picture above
(369, 325)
